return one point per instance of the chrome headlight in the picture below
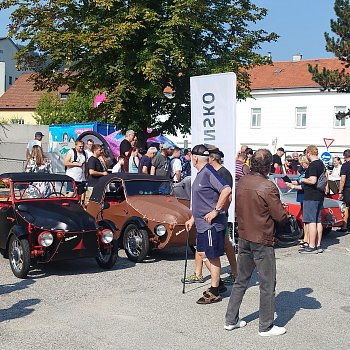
(107, 236)
(342, 207)
(160, 230)
(45, 239)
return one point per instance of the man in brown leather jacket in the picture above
(258, 207)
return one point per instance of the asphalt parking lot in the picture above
(76, 305)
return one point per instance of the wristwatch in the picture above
(217, 210)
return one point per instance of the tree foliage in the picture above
(133, 49)
(340, 45)
(77, 108)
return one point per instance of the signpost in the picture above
(326, 157)
(328, 142)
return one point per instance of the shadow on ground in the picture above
(288, 304)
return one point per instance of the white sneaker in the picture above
(239, 324)
(275, 330)
(348, 250)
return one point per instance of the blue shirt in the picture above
(206, 189)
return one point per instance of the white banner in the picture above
(213, 117)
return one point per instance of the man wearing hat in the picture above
(36, 142)
(210, 197)
(161, 162)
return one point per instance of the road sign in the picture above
(328, 142)
(326, 157)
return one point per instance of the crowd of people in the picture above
(211, 198)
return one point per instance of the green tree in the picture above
(134, 49)
(340, 45)
(77, 108)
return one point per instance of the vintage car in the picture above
(332, 213)
(145, 209)
(40, 223)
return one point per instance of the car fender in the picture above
(107, 224)
(134, 220)
(19, 232)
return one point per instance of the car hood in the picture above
(164, 209)
(55, 216)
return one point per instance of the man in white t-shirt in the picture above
(36, 142)
(175, 164)
(75, 161)
(89, 144)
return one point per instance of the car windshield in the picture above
(146, 188)
(44, 189)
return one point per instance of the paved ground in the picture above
(75, 305)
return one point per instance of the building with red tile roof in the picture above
(20, 100)
(288, 109)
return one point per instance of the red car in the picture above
(332, 213)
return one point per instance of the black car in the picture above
(40, 223)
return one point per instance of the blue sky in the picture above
(300, 23)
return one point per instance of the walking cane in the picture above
(184, 279)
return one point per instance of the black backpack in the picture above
(75, 157)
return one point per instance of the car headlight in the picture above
(342, 207)
(45, 239)
(107, 236)
(160, 230)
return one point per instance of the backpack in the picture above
(322, 182)
(75, 157)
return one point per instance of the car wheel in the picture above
(107, 257)
(19, 255)
(136, 243)
(327, 230)
(286, 244)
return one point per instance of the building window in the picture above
(64, 96)
(255, 121)
(339, 123)
(300, 117)
(10, 80)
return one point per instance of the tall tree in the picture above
(340, 45)
(133, 49)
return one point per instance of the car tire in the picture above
(107, 258)
(19, 256)
(136, 243)
(327, 230)
(286, 244)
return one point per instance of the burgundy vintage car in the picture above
(145, 209)
(39, 223)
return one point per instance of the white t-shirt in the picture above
(75, 172)
(88, 153)
(117, 168)
(32, 143)
(175, 166)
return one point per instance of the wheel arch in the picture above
(19, 232)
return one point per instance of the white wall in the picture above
(7, 52)
(278, 120)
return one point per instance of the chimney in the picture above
(297, 58)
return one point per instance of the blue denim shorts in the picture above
(211, 242)
(312, 211)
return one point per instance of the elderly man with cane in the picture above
(210, 196)
(256, 194)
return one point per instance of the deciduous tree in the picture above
(134, 49)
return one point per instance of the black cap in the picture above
(39, 133)
(200, 150)
(216, 151)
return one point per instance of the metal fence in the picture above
(8, 165)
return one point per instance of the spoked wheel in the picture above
(108, 255)
(19, 255)
(136, 243)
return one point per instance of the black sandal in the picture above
(209, 298)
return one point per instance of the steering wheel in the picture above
(31, 192)
(54, 194)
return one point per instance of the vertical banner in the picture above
(213, 118)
